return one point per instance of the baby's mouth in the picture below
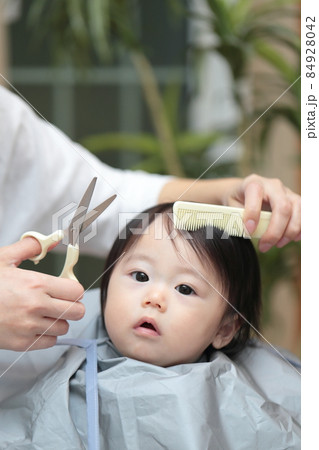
(147, 326)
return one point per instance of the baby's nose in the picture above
(155, 300)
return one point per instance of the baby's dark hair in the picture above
(234, 259)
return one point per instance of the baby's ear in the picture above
(227, 330)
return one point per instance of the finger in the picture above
(62, 309)
(254, 194)
(52, 327)
(281, 215)
(293, 230)
(14, 254)
(37, 343)
(43, 341)
(63, 288)
(55, 287)
(46, 332)
(298, 237)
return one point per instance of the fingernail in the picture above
(282, 242)
(264, 247)
(250, 225)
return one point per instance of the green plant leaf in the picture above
(277, 8)
(276, 34)
(240, 12)
(195, 143)
(99, 25)
(275, 59)
(221, 22)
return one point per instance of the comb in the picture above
(191, 216)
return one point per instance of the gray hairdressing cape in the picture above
(252, 402)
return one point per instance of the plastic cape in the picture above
(252, 402)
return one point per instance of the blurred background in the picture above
(217, 80)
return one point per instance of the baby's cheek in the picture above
(110, 318)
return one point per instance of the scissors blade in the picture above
(94, 214)
(76, 223)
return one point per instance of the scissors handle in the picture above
(44, 241)
(72, 256)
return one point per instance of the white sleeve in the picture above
(43, 175)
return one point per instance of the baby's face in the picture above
(164, 308)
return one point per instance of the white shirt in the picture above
(43, 175)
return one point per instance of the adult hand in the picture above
(34, 307)
(256, 193)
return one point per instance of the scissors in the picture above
(80, 221)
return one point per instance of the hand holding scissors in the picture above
(35, 307)
(80, 221)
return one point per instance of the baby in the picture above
(171, 300)
(170, 296)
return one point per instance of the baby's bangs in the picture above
(139, 225)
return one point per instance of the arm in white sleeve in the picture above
(43, 174)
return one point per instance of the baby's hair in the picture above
(233, 259)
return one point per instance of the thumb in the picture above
(14, 254)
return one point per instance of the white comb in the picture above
(191, 216)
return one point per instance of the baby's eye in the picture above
(140, 276)
(185, 289)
